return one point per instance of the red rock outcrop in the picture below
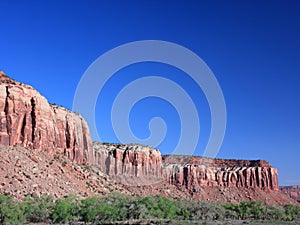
(141, 163)
(144, 171)
(196, 172)
(46, 131)
(28, 120)
(292, 191)
(191, 173)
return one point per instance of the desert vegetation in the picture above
(118, 207)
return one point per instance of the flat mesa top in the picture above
(182, 159)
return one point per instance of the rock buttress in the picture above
(28, 120)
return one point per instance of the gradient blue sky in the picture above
(253, 48)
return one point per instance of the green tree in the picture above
(289, 212)
(10, 211)
(38, 209)
(256, 209)
(297, 212)
(114, 207)
(274, 213)
(153, 207)
(88, 211)
(183, 210)
(231, 210)
(136, 210)
(65, 210)
(167, 207)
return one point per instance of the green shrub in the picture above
(10, 211)
(38, 209)
(66, 210)
(120, 207)
(289, 212)
(88, 210)
(274, 213)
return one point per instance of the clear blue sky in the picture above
(253, 48)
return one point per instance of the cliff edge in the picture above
(144, 171)
(28, 120)
(42, 145)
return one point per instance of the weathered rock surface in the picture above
(123, 161)
(144, 171)
(28, 120)
(189, 172)
(58, 148)
(292, 191)
(196, 172)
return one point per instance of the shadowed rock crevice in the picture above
(107, 165)
(6, 111)
(33, 119)
(86, 141)
(22, 137)
(68, 135)
(74, 152)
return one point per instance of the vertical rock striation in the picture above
(28, 120)
(130, 160)
(191, 173)
(196, 172)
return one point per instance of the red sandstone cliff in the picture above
(130, 164)
(28, 120)
(144, 171)
(292, 191)
(191, 173)
(196, 172)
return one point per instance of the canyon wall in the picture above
(292, 191)
(191, 173)
(130, 164)
(28, 120)
(202, 172)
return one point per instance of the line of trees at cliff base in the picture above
(119, 207)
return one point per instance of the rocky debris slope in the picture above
(28, 120)
(292, 191)
(23, 172)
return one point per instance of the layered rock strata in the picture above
(28, 120)
(199, 172)
(191, 173)
(292, 191)
(142, 164)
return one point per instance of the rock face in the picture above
(192, 173)
(135, 161)
(58, 137)
(144, 171)
(196, 172)
(292, 191)
(28, 120)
